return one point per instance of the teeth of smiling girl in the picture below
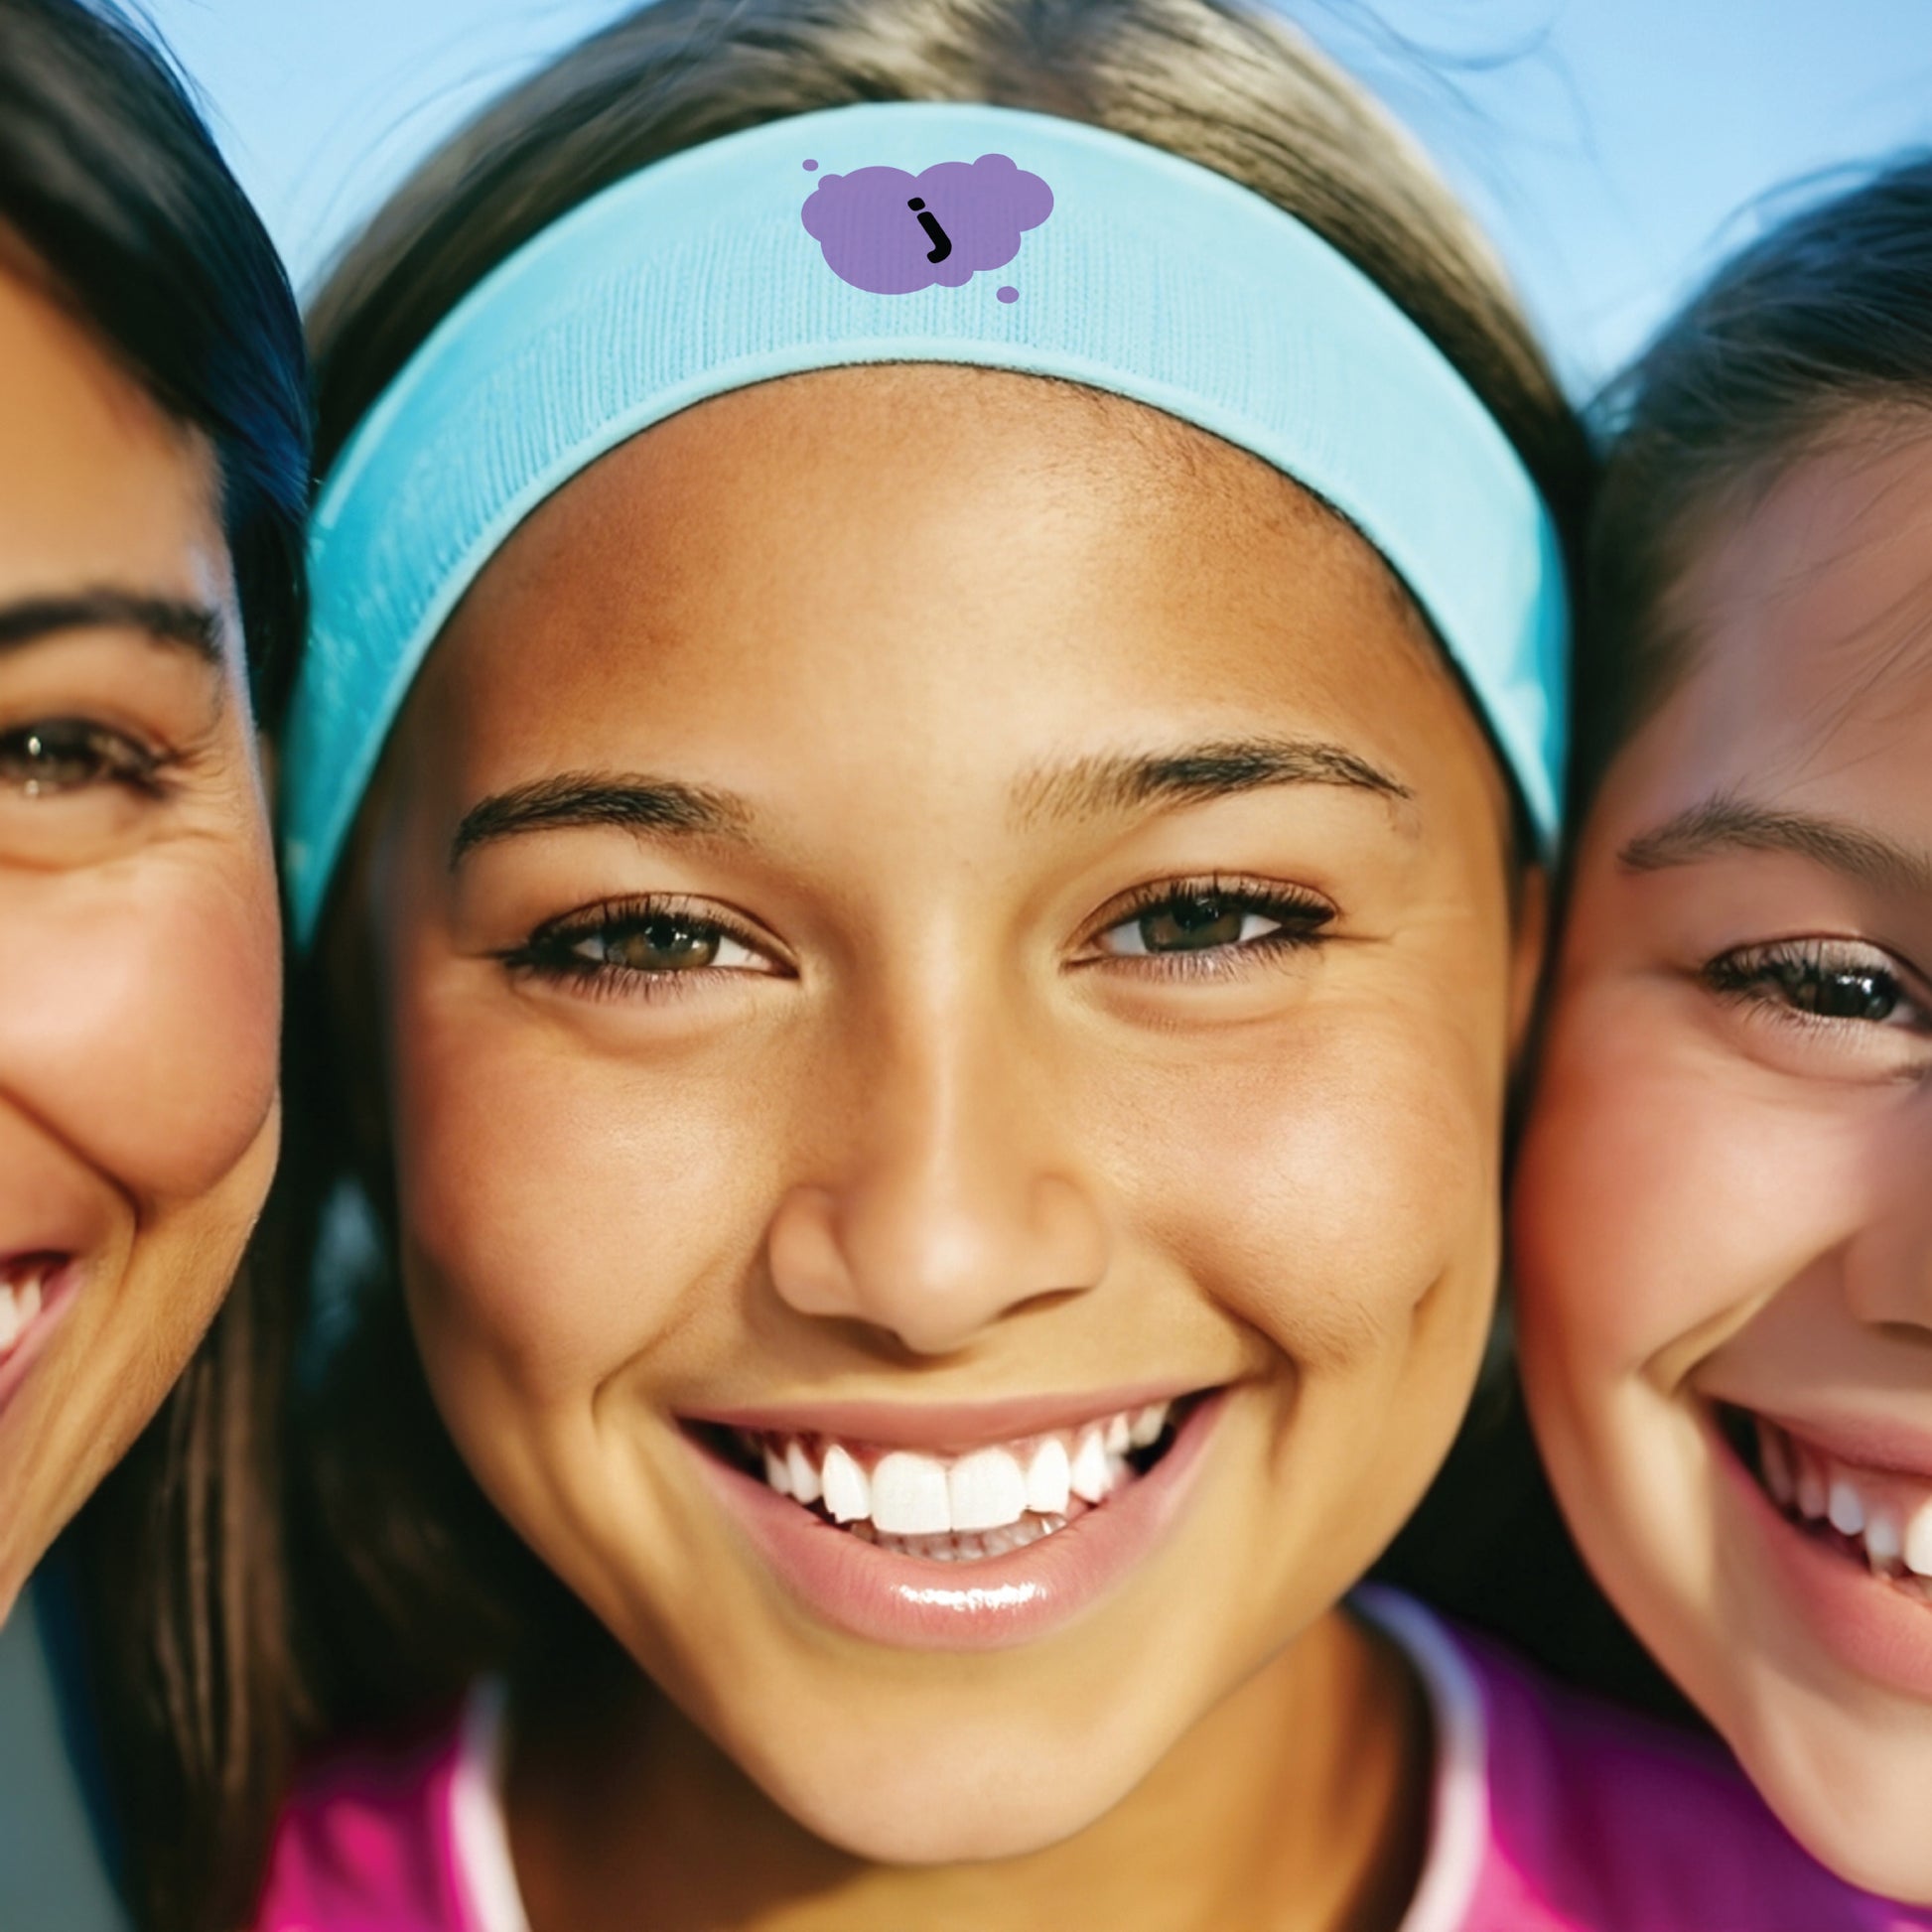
(805, 1485)
(1883, 1543)
(1774, 1459)
(1886, 1515)
(20, 1304)
(1842, 1508)
(972, 1504)
(1811, 1489)
(1048, 1478)
(909, 1496)
(985, 1491)
(1918, 1541)
(1090, 1476)
(848, 1489)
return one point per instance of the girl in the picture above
(1725, 1259)
(927, 955)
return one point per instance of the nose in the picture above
(956, 1198)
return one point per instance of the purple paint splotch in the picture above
(880, 227)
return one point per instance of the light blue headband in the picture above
(1012, 241)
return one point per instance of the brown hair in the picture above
(1809, 332)
(405, 1582)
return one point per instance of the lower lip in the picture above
(56, 1295)
(1863, 1620)
(993, 1603)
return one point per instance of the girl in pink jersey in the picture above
(1724, 1246)
(918, 797)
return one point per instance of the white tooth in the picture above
(776, 1474)
(985, 1491)
(848, 1495)
(1774, 1458)
(1048, 1478)
(1811, 1489)
(1119, 1435)
(805, 1485)
(29, 1302)
(11, 1319)
(1846, 1511)
(1090, 1478)
(908, 1494)
(1146, 1425)
(1918, 1541)
(1882, 1540)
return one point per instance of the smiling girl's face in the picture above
(945, 953)
(139, 939)
(1722, 1214)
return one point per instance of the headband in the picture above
(912, 233)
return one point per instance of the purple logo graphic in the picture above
(891, 233)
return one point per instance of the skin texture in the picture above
(139, 937)
(1722, 1197)
(930, 1139)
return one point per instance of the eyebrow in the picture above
(1095, 787)
(630, 801)
(1727, 823)
(1089, 787)
(167, 621)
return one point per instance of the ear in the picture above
(1529, 948)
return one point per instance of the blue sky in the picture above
(1611, 146)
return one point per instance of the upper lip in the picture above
(940, 1424)
(1863, 1441)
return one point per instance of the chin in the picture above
(886, 1802)
(1849, 1784)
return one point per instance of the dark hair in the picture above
(116, 203)
(126, 209)
(407, 1582)
(1823, 320)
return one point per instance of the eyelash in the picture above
(550, 952)
(112, 757)
(1301, 917)
(1769, 976)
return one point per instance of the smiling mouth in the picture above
(1878, 1519)
(26, 1288)
(965, 1507)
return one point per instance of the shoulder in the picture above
(364, 1840)
(1597, 1819)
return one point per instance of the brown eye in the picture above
(1197, 924)
(1835, 983)
(662, 944)
(637, 944)
(65, 754)
(1186, 920)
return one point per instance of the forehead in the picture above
(1810, 621)
(97, 482)
(924, 540)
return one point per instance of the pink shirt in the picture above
(1552, 1813)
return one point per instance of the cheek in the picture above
(1325, 1189)
(567, 1212)
(1662, 1188)
(140, 1014)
